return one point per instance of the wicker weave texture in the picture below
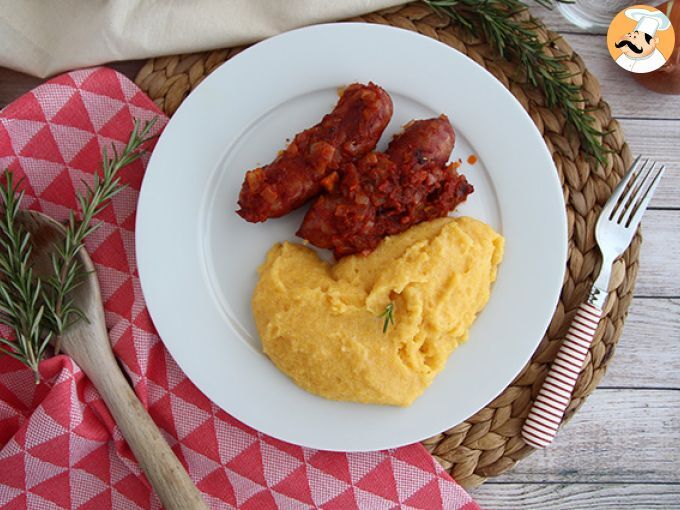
(489, 443)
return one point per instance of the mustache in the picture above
(626, 42)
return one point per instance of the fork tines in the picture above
(639, 184)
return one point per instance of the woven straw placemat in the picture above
(489, 443)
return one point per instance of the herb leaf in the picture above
(35, 309)
(388, 315)
(61, 313)
(20, 289)
(515, 39)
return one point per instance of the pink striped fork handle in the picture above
(546, 414)
(614, 231)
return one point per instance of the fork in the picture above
(614, 231)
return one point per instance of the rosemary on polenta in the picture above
(388, 315)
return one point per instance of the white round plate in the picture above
(197, 258)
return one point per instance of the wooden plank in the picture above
(648, 354)
(626, 97)
(660, 141)
(659, 268)
(619, 435)
(570, 496)
(14, 84)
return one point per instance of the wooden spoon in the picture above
(87, 342)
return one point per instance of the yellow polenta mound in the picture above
(319, 322)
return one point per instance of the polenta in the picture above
(320, 323)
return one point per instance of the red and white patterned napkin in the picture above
(59, 447)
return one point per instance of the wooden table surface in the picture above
(622, 449)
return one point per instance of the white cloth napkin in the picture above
(44, 37)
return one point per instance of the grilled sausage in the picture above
(384, 194)
(308, 164)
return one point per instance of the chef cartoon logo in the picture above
(640, 39)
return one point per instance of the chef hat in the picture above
(648, 21)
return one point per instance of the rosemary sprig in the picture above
(61, 312)
(515, 39)
(39, 310)
(388, 315)
(20, 290)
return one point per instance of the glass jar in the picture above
(596, 15)
(666, 79)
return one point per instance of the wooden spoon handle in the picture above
(162, 468)
(87, 342)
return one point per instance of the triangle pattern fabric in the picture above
(43, 146)
(42, 173)
(296, 486)
(332, 463)
(244, 488)
(77, 140)
(79, 479)
(111, 253)
(20, 132)
(119, 126)
(324, 486)
(380, 481)
(260, 501)
(232, 440)
(368, 499)
(5, 145)
(99, 108)
(409, 479)
(104, 82)
(10, 495)
(59, 93)
(19, 379)
(86, 159)
(29, 108)
(282, 501)
(360, 466)
(217, 485)
(39, 471)
(423, 496)
(14, 471)
(61, 191)
(277, 464)
(80, 75)
(59, 445)
(199, 466)
(96, 463)
(203, 439)
(55, 451)
(45, 423)
(345, 501)
(248, 464)
(426, 463)
(132, 488)
(56, 489)
(187, 391)
(183, 408)
(73, 115)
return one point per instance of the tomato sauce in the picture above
(297, 175)
(384, 194)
